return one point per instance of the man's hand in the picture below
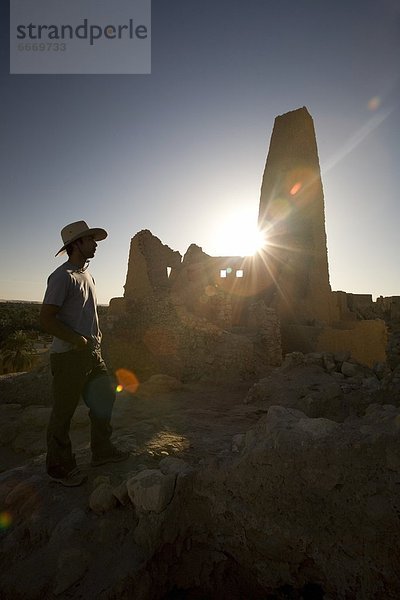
(50, 323)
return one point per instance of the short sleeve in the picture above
(57, 288)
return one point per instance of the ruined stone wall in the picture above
(159, 335)
(192, 324)
(148, 265)
(365, 340)
(193, 280)
(344, 312)
(281, 297)
(390, 306)
(355, 307)
(220, 309)
(384, 308)
(215, 287)
(263, 322)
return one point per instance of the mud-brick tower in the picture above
(291, 214)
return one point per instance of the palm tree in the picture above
(17, 351)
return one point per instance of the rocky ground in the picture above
(285, 487)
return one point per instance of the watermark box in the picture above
(80, 37)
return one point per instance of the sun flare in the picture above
(238, 235)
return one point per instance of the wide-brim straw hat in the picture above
(79, 229)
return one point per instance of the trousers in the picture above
(78, 373)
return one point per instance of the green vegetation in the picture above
(17, 352)
(19, 327)
(19, 331)
(18, 316)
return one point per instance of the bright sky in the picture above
(182, 151)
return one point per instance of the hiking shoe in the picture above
(72, 479)
(114, 456)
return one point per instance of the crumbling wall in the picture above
(159, 335)
(289, 277)
(192, 324)
(217, 288)
(365, 340)
(353, 306)
(264, 323)
(148, 266)
(356, 307)
(390, 306)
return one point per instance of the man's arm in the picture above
(50, 323)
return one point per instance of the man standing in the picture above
(69, 313)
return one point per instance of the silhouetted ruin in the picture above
(269, 304)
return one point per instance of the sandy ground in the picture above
(195, 422)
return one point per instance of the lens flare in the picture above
(127, 381)
(374, 103)
(296, 188)
(5, 520)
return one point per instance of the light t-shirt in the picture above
(74, 291)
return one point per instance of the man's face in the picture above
(87, 246)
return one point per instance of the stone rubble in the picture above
(102, 499)
(151, 490)
(302, 501)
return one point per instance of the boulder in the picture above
(170, 465)
(102, 499)
(99, 480)
(342, 356)
(309, 389)
(158, 384)
(151, 490)
(121, 493)
(352, 370)
(329, 362)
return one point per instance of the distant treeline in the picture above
(23, 316)
(15, 316)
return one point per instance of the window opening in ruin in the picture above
(223, 273)
(239, 273)
(169, 269)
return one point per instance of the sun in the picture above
(238, 235)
